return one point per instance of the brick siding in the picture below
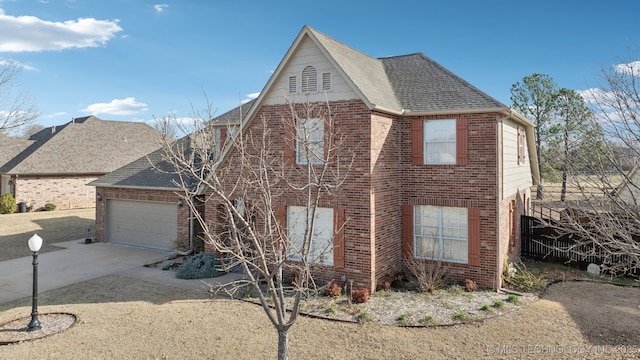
(66, 192)
(141, 195)
(383, 179)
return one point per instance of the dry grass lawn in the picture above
(52, 226)
(127, 318)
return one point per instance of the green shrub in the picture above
(364, 317)
(49, 207)
(512, 299)
(200, 266)
(498, 304)
(460, 316)
(8, 204)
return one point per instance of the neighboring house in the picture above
(139, 204)
(439, 163)
(55, 164)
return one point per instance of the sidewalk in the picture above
(79, 262)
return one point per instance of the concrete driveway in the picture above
(79, 262)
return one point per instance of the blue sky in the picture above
(135, 60)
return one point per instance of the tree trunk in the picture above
(563, 195)
(283, 344)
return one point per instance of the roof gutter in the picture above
(134, 187)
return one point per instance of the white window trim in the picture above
(303, 136)
(425, 143)
(323, 232)
(441, 238)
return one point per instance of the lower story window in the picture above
(441, 233)
(321, 247)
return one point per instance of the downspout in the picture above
(500, 178)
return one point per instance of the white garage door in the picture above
(142, 223)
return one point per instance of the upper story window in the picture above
(309, 79)
(440, 141)
(310, 141)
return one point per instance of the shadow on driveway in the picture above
(606, 314)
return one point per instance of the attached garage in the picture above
(142, 223)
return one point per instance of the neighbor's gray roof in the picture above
(149, 171)
(85, 145)
(411, 83)
(153, 171)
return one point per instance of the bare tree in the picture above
(15, 108)
(603, 218)
(247, 187)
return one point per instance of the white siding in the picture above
(308, 54)
(516, 177)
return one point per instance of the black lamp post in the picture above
(35, 243)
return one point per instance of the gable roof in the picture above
(153, 171)
(149, 171)
(85, 145)
(403, 85)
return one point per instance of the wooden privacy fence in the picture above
(542, 241)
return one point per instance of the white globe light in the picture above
(35, 243)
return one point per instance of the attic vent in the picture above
(326, 81)
(292, 85)
(309, 79)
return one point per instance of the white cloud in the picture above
(160, 7)
(632, 68)
(250, 97)
(55, 114)
(29, 33)
(13, 62)
(127, 106)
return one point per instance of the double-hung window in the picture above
(441, 233)
(310, 141)
(299, 219)
(440, 142)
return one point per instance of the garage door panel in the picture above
(142, 223)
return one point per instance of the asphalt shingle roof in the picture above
(85, 145)
(409, 83)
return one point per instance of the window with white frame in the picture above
(441, 233)
(321, 247)
(310, 141)
(440, 142)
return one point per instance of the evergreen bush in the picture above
(49, 207)
(8, 204)
(200, 266)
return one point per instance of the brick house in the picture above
(140, 204)
(443, 171)
(55, 164)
